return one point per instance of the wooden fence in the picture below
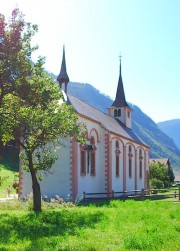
(153, 194)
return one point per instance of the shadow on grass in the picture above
(162, 197)
(98, 202)
(34, 226)
(156, 197)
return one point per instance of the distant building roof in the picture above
(177, 175)
(164, 161)
(177, 178)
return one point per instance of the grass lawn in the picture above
(118, 225)
(7, 178)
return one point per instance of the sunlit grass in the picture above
(118, 225)
(7, 177)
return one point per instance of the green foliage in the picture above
(171, 174)
(160, 175)
(31, 108)
(121, 225)
(155, 183)
(3, 178)
(7, 178)
(16, 50)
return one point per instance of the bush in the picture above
(157, 184)
(160, 175)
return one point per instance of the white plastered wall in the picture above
(117, 181)
(56, 182)
(130, 181)
(140, 180)
(88, 183)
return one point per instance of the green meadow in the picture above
(6, 179)
(117, 225)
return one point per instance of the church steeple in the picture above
(63, 76)
(120, 99)
(120, 109)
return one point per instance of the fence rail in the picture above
(142, 194)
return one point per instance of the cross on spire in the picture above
(120, 99)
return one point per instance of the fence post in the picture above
(84, 195)
(179, 193)
(142, 193)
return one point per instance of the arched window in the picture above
(93, 157)
(117, 152)
(83, 161)
(119, 112)
(140, 169)
(140, 163)
(117, 144)
(115, 113)
(117, 165)
(130, 167)
(130, 161)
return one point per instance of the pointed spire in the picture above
(120, 99)
(63, 76)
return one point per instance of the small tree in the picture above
(155, 183)
(38, 130)
(15, 53)
(30, 109)
(159, 175)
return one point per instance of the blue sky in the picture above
(95, 32)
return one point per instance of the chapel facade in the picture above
(114, 158)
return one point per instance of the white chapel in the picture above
(114, 158)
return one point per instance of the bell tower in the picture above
(120, 109)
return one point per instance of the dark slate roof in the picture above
(108, 122)
(63, 76)
(130, 132)
(120, 99)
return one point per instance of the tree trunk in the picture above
(35, 186)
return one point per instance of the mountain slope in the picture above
(172, 129)
(161, 145)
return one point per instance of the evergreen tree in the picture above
(171, 174)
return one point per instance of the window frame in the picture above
(117, 158)
(140, 164)
(83, 158)
(93, 157)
